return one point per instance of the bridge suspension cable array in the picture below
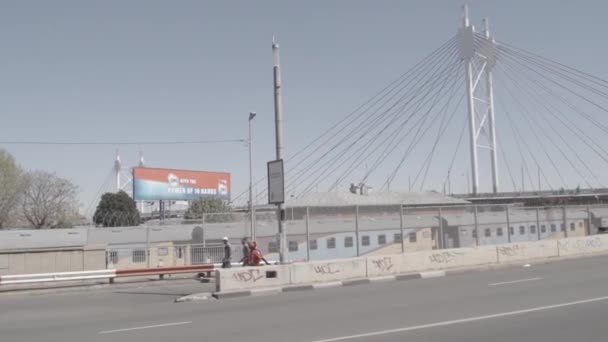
(551, 119)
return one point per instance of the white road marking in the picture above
(515, 281)
(144, 327)
(464, 320)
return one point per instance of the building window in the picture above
(139, 257)
(532, 229)
(563, 227)
(113, 257)
(474, 233)
(553, 228)
(365, 240)
(313, 244)
(511, 230)
(348, 241)
(488, 232)
(273, 247)
(331, 243)
(397, 238)
(572, 226)
(382, 239)
(412, 237)
(522, 230)
(293, 246)
(499, 231)
(543, 229)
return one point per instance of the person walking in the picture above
(226, 261)
(245, 259)
(255, 255)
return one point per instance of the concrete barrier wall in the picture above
(331, 270)
(228, 279)
(527, 251)
(448, 258)
(581, 246)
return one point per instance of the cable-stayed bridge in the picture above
(475, 115)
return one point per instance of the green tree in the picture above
(11, 188)
(116, 210)
(204, 206)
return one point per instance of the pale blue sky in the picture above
(186, 70)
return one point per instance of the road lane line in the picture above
(144, 327)
(464, 320)
(515, 281)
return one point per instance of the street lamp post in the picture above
(251, 213)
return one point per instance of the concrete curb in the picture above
(343, 283)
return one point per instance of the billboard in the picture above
(179, 185)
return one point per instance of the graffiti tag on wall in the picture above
(580, 245)
(252, 276)
(326, 269)
(444, 257)
(383, 265)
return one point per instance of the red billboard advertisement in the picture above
(151, 184)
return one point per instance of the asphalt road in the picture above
(558, 302)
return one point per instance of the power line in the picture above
(119, 143)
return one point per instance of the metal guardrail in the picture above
(54, 277)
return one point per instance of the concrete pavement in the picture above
(557, 302)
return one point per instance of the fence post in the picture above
(148, 246)
(476, 227)
(588, 232)
(357, 228)
(401, 223)
(307, 235)
(508, 224)
(565, 222)
(538, 222)
(441, 239)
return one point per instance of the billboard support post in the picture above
(278, 122)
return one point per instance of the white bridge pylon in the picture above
(479, 58)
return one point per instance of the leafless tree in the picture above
(48, 200)
(11, 187)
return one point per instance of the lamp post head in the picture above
(252, 115)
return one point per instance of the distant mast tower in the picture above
(117, 167)
(480, 103)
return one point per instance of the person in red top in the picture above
(255, 255)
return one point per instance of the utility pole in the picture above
(278, 119)
(251, 212)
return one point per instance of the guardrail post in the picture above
(357, 228)
(148, 246)
(307, 233)
(508, 224)
(401, 223)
